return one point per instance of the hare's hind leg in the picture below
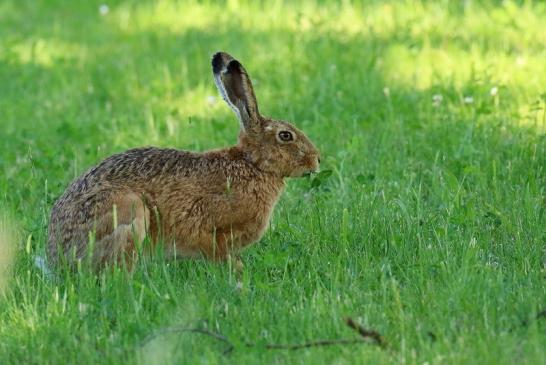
(123, 228)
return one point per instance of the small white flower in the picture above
(437, 99)
(104, 9)
(386, 92)
(211, 100)
(468, 99)
(494, 91)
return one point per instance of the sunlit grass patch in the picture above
(43, 52)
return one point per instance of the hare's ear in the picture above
(234, 84)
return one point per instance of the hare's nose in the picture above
(318, 158)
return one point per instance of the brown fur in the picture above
(212, 204)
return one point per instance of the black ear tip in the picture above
(234, 65)
(217, 62)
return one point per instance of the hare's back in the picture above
(133, 166)
(133, 172)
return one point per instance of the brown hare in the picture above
(210, 204)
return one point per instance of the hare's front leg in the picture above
(238, 267)
(222, 246)
(217, 245)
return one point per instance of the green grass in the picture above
(431, 228)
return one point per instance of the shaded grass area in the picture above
(431, 228)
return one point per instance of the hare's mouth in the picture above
(309, 173)
(305, 171)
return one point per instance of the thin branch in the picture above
(364, 333)
(310, 344)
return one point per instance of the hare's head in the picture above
(275, 146)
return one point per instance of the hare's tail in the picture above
(41, 264)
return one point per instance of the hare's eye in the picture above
(285, 136)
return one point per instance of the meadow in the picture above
(427, 224)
